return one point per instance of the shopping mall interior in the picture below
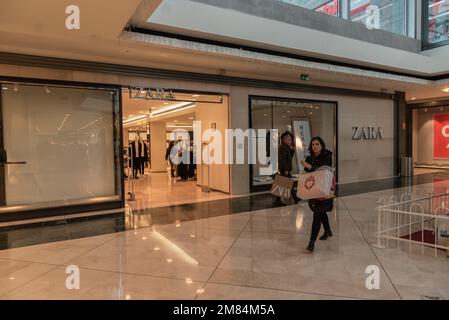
(109, 110)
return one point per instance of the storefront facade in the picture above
(361, 129)
(60, 144)
(428, 136)
(77, 166)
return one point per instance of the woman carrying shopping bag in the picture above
(319, 157)
(285, 161)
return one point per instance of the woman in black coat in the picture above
(319, 156)
(285, 161)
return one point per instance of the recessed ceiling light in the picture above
(413, 98)
(131, 115)
(166, 103)
(192, 118)
(196, 95)
(5, 88)
(446, 90)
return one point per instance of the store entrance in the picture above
(430, 133)
(156, 122)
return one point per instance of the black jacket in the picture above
(285, 159)
(324, 159)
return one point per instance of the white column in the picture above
(158, 146)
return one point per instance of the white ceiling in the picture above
(38, 28)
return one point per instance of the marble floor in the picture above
(258, 254)
(155, 190)
(419, 171)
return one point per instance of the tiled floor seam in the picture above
(372, 250)
(29, 261)
(140, 274)
(286, 290)
(92, 249)
(224, 256)
(27, 282)
(56, 266)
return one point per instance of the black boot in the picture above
(327, 234)
(279, 203)
(311, 246)
(296, 199)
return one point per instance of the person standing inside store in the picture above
(319, 156)
(285, 161)
(169, 159)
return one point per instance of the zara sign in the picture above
(367, 133)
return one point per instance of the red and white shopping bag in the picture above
(316, 185)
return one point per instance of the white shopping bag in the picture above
(316, 185)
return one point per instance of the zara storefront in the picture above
(362, 129)
(61, 139)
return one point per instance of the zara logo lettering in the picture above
(367, 133)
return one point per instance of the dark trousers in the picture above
(137, 166)
(142, 166)
(318, 219)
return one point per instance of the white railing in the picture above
(413, 216)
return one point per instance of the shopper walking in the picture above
(285, 161)
(319, 156)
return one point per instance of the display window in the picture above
(438, 21)
(305, 119)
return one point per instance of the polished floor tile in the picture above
(214, 291)
(280, 261)
(299, 220)
(158, 190)
(14, 274)
(240, 248)
(56, 253)
(104, 285)
(162, 252)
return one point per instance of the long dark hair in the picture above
(321, 141)
(287, 133)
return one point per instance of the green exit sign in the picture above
(305, 77)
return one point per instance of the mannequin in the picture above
(143, 157)
(137, 152)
